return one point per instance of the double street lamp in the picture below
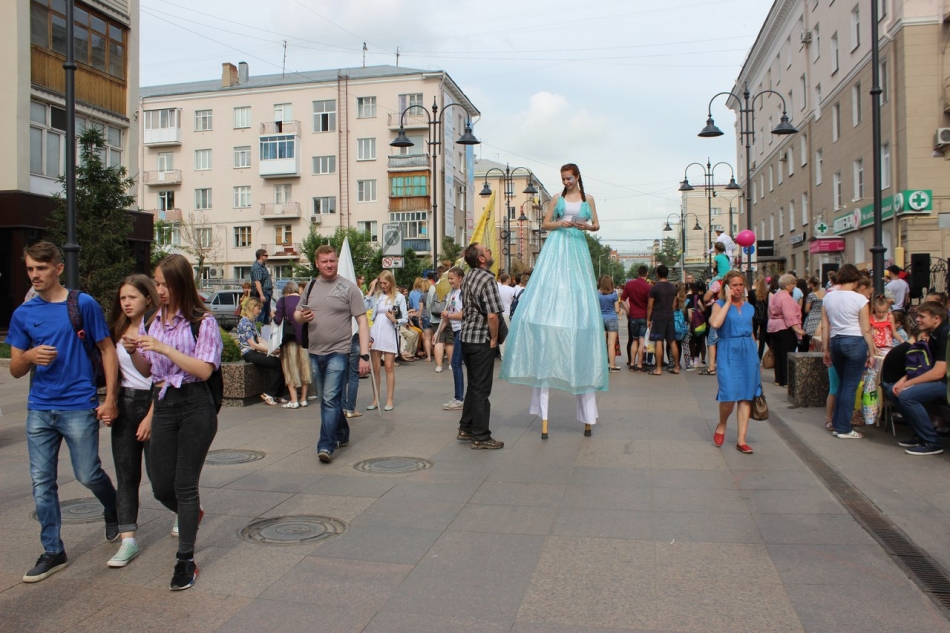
(709, 187)
(434, 122)
(747, 134)
(698, 227)
(507, 175)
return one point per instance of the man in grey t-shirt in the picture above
(897, 287)
(327, 306)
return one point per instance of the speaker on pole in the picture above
(919, 272)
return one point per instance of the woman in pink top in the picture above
(785, 326)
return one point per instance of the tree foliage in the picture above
(103, 225)
(404, 276)
(601, 261)
(364, 251)
(198, 239)
(669, 253)
(450, 250)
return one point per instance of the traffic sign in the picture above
(394, 262)
(748, 250)
(392, 239)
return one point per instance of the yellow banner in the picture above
(485, 232)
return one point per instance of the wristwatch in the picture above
(364, 356)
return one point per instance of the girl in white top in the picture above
(136, 298)
(384, 341)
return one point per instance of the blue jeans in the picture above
(352, 386)
(329, 375)
(911, 402)
(458, 358)
(849, 354)
(45, 432)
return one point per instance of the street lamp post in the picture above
(747, 133)
(507, 175)
(709, 187)
(698, 227)
(877, 249)
(521, 220)
(71, 247)
(434, 122)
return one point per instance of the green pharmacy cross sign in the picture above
(907, 202)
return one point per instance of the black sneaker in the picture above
(489, 444)
(186, 573)
(911, 443)
(464, 436)
(112, 526)
(324, 456)
(46, 565)
(925, 449)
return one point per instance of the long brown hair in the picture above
(118, 321)
(761, 289)
(574, 169)
(183, 293)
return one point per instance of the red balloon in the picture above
(745, 238)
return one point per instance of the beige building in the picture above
(33, 130)
(812, 191)
(712, 214)
(526, 237)
(246, 162)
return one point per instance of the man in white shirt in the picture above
(725, 240)
(897, 287)
(507, 294)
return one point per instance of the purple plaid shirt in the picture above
(178, 335)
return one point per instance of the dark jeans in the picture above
(912, 401)
(352, 385)
(274, 375)
(184, 424)
(761, 331)
(849, 354)
(329, 375)
(783, 342)
(458, 357)
(127, 453)
(480, 366)
(264, 316)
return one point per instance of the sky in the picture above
(619, 87)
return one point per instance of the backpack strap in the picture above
(75, 318)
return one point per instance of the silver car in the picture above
(222, 304)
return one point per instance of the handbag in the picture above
(760, 408)
(768, 359)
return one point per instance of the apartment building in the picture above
(525, 237)
(712, 214)
(812, 191)
(257, 162)
(32, 130)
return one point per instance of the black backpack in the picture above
(761, 314)
(514, 303)
(92, 349)
(215, 380)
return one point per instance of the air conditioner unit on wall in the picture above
(315, 219)
(805, 36)
(942, 138)
(213, 272)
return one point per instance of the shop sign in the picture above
(766, 248)
(833, 245)
(797, 238)
(907, 202)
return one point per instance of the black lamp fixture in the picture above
(507, 174)
(709, 188)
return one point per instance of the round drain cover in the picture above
(79, 511)
(392, 465)
(227, 456)
(293, 530)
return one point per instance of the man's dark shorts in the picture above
(663, 330)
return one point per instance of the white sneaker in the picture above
(175, 527)
(438, 370)
(453, 405)
(127, 552)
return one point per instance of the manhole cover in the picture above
(79, 511)
(293, 530)
(392, 465)
(227, 456)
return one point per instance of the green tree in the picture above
(450, 250)
(161, 242)
(102, 224)
(669, 253)
(404, 276)
(363, 250)
(601, 261)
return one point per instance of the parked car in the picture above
(222, 304)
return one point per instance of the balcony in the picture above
(280, 211)
(161, 178)
(280, 127)
(410, 203)
(419, 245)
(412, 121)
(165, 215)
(156, 137)
(415, 161)
(285, 251)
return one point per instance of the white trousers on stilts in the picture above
(586, 405)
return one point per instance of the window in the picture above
(202, 198)
(242, 197)
(771, 226)
(791, 215)
(803, 150)
(883, 80)
(881, 9)
(816, 44)
(771, 178)
(835, 122)
(366, 149)
(858, 168)
(855, 27)
(418, 147)
(284, 234)
(242, 157)
(324, 205)
(409, 100)
(834, 53)
(803, 93)
(166, 200)
(805, 217)
(369, 228)
(277, 147)
(282, 193)
(202, 120)
(283, 112)
(165, 161)
(817, 101)
(761, 186)
(242, 117)
(754, 192)
(47, 139)
(405, 186)
(414, 223)
(324, 115)
(856, 104)
(885, 165)
(204, 237)
(324, 165)
(762, 227)
(790, 159)
(98, 42)
(771, 127)
(162, 119)
(836, 190)
(818, 161)
(202, 159)
(781, 221)
(366, 107)
(366, 191)
(168, 235)
(242, 272)
(781, 170)
(242, 236)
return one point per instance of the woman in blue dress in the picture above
(737, 358)
(557, 333)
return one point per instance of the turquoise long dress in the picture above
(556, 339)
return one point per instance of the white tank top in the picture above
(572, 208)
(131, 378)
